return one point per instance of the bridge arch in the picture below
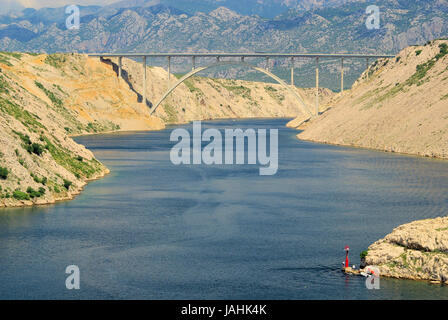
(302, 106)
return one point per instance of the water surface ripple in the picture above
(152, 230)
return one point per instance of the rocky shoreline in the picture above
(53, 198)
(387, 149)
(416, 251)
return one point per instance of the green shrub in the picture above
(363, 254)
(25, 138)
(32, 193)
(27, 118)
(56, 189)
(19, 195)
(64, 157)
(28, 145)
(56, 60)
(4, 86)
(417, 53)
(67, 184)
(239, 90)
(56, 101)
(35, 148)
(39, 180)
(35, 194)
(4, 173)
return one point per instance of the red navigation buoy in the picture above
(347, 249)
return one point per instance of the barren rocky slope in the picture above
(46, 98)
(43, 99)
(401, 107)
(417, 250)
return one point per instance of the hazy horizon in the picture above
(8, 5)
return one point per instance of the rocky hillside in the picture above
(417, 250)
(43, 99)
(46, 98)
(398, 105)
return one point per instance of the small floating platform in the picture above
(350, 270)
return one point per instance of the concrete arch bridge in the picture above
(240, 62)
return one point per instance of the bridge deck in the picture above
(246, 55)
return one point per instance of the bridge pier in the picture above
(144, 81)
(317, 88)
(120, 67)
(367, 67)
(292, 72)
(342, 75)
(193, 61)
(169, 71)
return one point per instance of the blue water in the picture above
(152, 230)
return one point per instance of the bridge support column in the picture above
(144, 81)
(267, 63)
(169, 71)
(342, 75)
(367, 68)
(120, 66)
(317, 88)
(292, 72)
(193, 61)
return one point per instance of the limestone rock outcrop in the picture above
(417, 250)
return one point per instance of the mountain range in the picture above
(230, 25)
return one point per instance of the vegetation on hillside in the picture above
(40, 162)
(418, 78)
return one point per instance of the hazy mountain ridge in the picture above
(165, 28)
(263, 8)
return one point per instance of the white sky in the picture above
(54, 3)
